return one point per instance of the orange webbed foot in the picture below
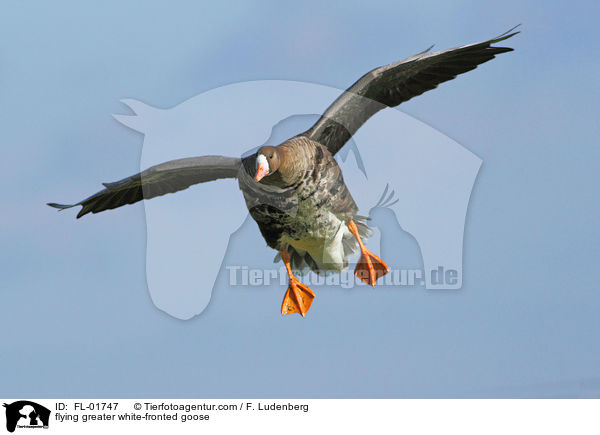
(297, 299)
(370, 268)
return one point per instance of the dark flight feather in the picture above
(158, 180)
(390, 85)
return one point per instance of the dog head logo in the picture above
(26, 414)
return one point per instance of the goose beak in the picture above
(262, 170)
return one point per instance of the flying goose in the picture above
(295, 191)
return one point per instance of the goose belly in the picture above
(322, 239)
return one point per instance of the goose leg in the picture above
(298, 297)
(370, 266)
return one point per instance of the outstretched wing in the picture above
(390, 85)
(167, 177)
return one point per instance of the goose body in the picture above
(306, 208)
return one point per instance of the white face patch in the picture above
(261, 162)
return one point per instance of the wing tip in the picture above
(508, 34)
(61, 207)
(82, 212)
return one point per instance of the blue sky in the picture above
(74, 305)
